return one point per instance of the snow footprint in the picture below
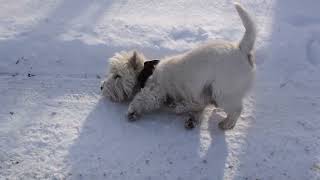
(313, 51)
(300, 20)
(189, 35)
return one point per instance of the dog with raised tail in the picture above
(219, 73)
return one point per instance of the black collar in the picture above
(146, 72)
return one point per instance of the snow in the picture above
(56, 125)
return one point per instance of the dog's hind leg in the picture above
(233, 110)
(148, 99)
(193, 119)
(186, 107)
(193, 110)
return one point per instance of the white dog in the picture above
(219, 73)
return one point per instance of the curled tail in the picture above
(248, 40)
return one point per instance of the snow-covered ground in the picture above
(55, 125)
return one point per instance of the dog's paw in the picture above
(132, 116)
(190, 123)
(226, 124)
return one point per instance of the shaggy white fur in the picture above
(217, 72)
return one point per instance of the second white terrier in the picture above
(219, 73)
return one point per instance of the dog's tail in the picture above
(248, 40)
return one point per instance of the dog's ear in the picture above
(150, 64)
(134, 60)
(146, 72)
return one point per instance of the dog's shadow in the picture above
(155, 147)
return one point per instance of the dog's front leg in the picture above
(148, 99)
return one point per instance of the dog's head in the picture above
(121, 82)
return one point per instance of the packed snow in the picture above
(54, 124)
